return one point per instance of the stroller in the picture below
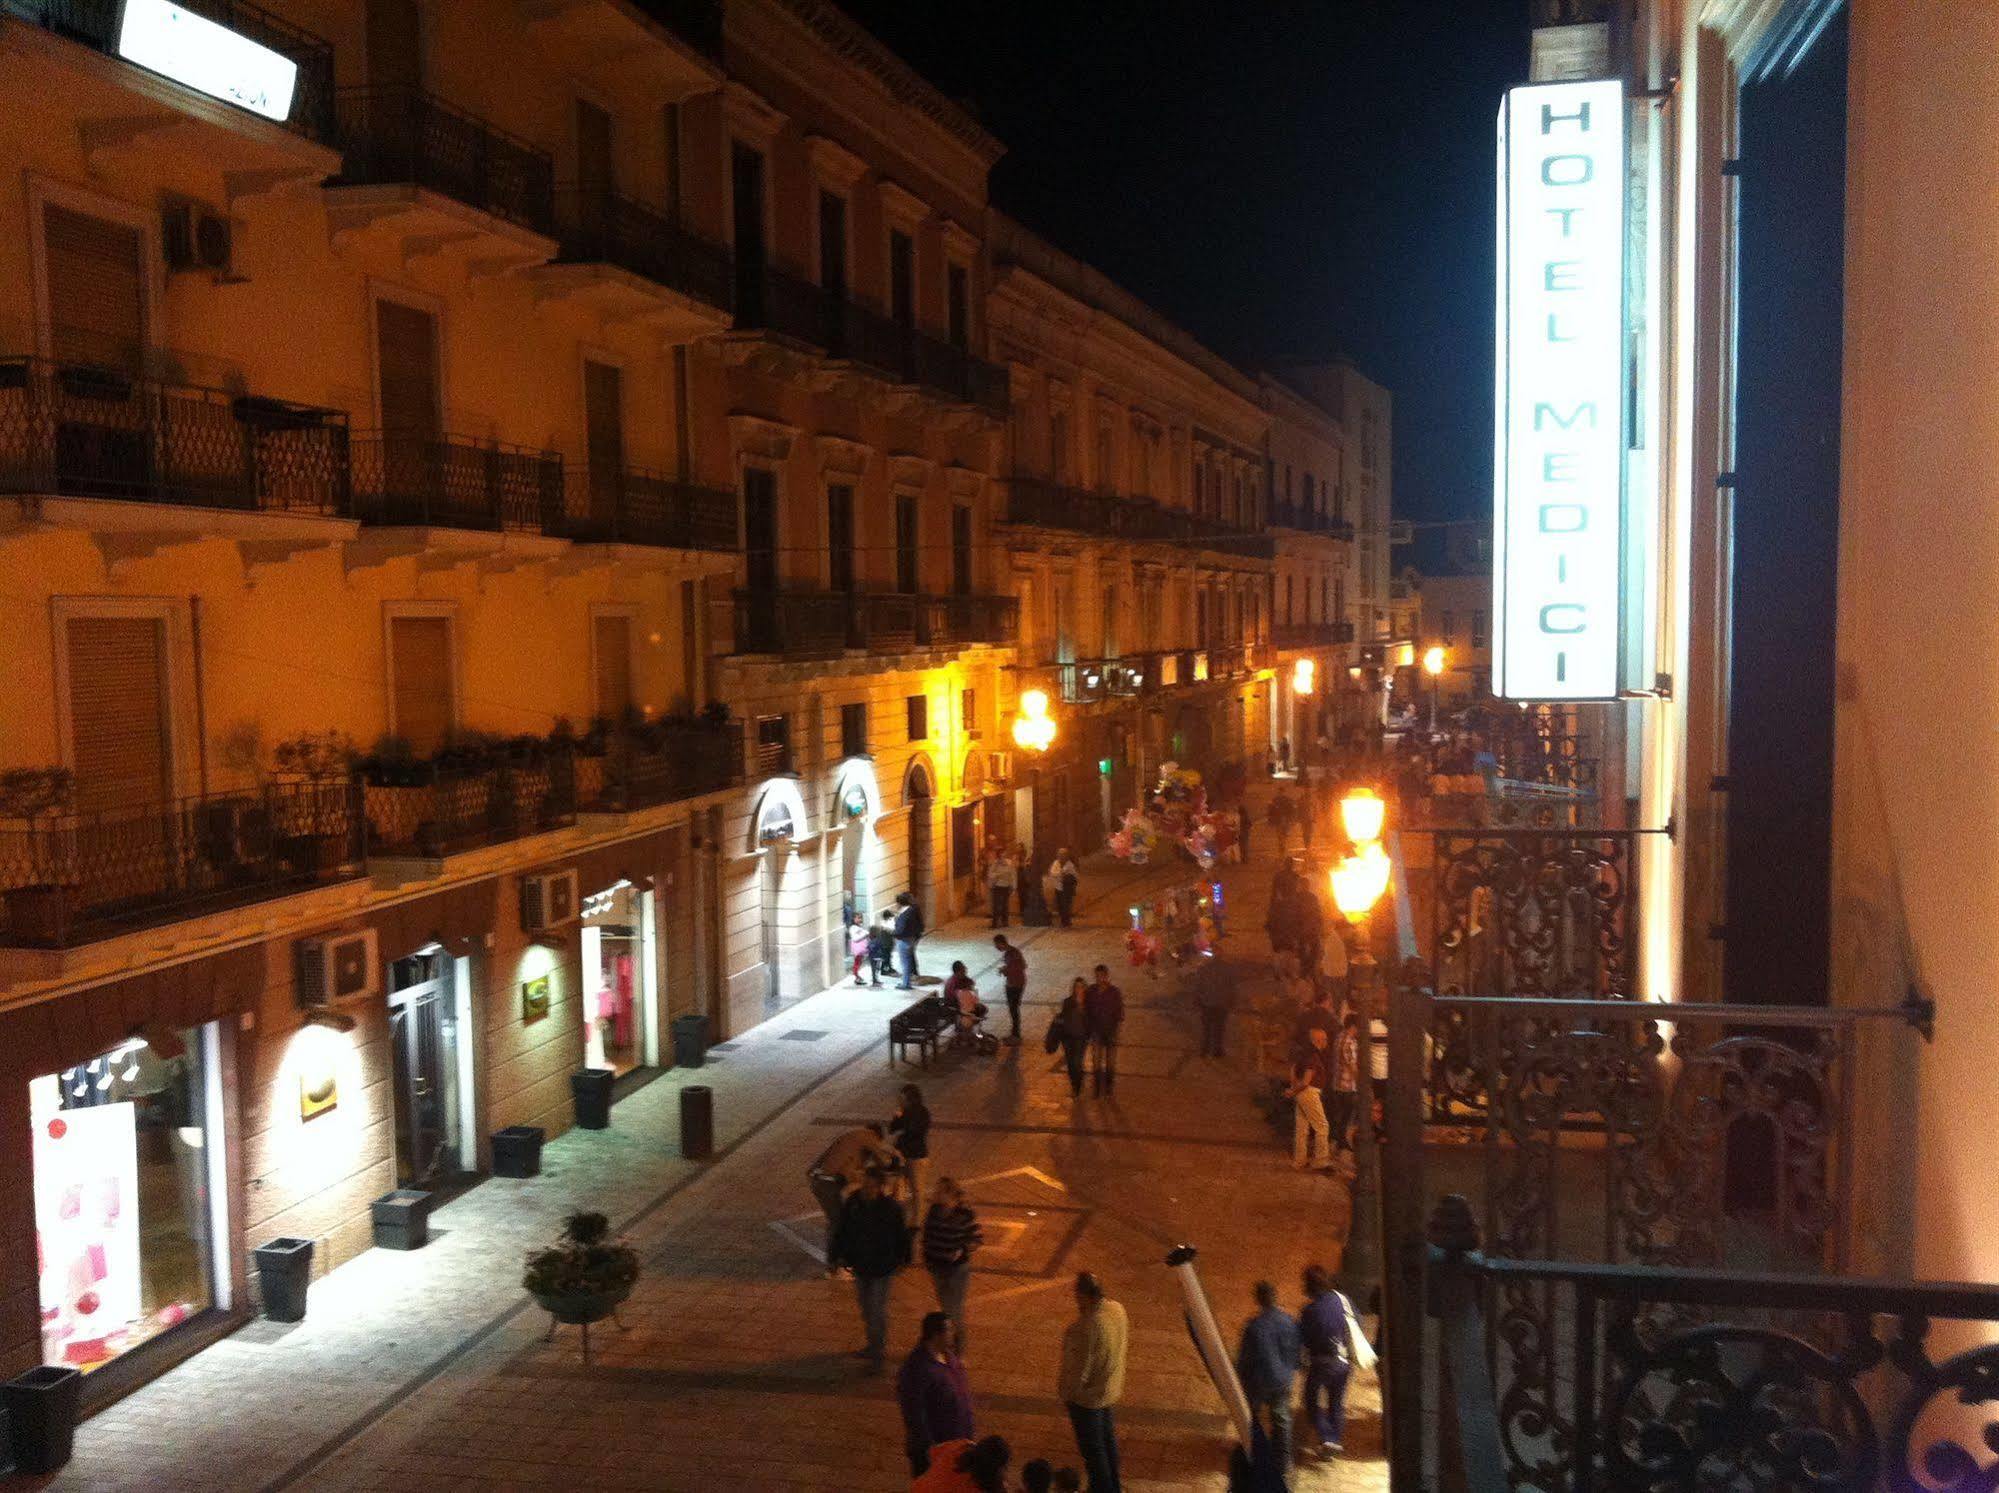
(968, 1034)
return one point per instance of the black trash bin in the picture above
(591, 1088)
(690, 1040)
(517, 1151)
(401, 1219)
(41, 1411)
(697, 1122)
(284, 1270)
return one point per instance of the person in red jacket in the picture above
(1103, 1009)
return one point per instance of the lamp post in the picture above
(1433, 665)
(1034, 727)
(1358, 883)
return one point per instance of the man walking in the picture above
(1326, 1333)
(1103, 1008)
(1000, 877)
(1280, 814)
(1092, 1379)
(872, 1241)
(1267, 1364)
(1308, 1103)
(1214, 994)
(950, 1234)
(935, 1396)
(839, 1170)
(1067, 876)
(1013, 975)
(908, 929)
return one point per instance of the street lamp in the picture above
(1363, 812)
(1433, 665)
(1358, 883)
(1034, 727)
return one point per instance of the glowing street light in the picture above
(1363, 813)
(1433, 665)
(1359, 882)
(1301, 676)
(1034, 728)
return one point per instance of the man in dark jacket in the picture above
(935, 1396)
(1267, 1364)
(1013, 975)
(873, 1242)
(1103, 1007)
(908, 929)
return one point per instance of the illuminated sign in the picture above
(208, 58)
(1558, 519)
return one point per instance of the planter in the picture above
(517, 1151)
(284, 1270)
(38, 915)
(690, 1040)
(580, 1309)
(401, 1219)
(41, 1409)
(591, 1088)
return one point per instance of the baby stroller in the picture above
(969, 1035)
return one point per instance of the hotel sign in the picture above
(211, 59)
(1558, 511)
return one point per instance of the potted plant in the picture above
(314, 823)
(584, 1276)
(38, 913)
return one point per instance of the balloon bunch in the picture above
(1135, 839)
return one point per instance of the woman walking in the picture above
(950, 1234)
(1070, 1032)
(911, 1129)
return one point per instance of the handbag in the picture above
(1053, 1041)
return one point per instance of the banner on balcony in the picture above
(211, 59)
(1558, 501)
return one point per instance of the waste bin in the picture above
(591, 1088)
(284, 1270)
(41, 1414)
(517, 1151)
(690, 1041)
(697, 1122)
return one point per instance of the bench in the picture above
(922, 1025)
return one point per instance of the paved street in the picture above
(430, 1369)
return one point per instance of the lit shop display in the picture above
(617, 1013)
(124, 1222)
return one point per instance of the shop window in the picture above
(854, 729)
(125, 1164)
(616, 952)
(919, 717)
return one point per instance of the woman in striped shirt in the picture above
(950, 1234)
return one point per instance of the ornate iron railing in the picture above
(459, 484)
(664, 763)
(792, 622)
(1615, 1132)
(1674, 1380)
(81, 877)
(1310, 634)
(393, 136)
(95, 24)
(820, 622)
(1285, 515)
(1049, 505)
(635, 506)
(597, 227)
(75, 430)
(969, 619)
(431, 811)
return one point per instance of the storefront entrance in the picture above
(129, 1188)
(428, 1086)
(620, 980)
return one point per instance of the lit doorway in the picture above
(429, 1086)
(620, 980)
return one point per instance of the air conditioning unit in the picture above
(341, 967)
(196, 238)
(548, 901)
(999, 766)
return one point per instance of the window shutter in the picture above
(96, 295)
(406, 366)
(614, 666)
(117, 711)
(421, 658)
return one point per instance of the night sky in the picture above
(1279, 178)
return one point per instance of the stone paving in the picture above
(431, 1370)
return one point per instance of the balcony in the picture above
(77, 430)
(78, 878)
(1089, 681)
(821, 623)
(415, 481)
(659, 762)
(1311, 634)
(632, 263)
(872, 347)
(436, 180)
(1308, 521)
(1034, 503)
(635, 506)
(470, 795)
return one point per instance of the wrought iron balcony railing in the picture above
(437, 807)
(95, 24)
(821, 622)
(641, 507)
(1311, 634)
(595, 227)
(441, 481)
(397, 136)
(83, 431)
(1297, 516)
(1049, 505)
(77, 878)
(660, 762)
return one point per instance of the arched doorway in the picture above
(856, 808)
(779, 821)
(919, 790)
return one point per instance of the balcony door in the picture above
(118, 712)
(421, 683)
(760, 529)
(840, 537)
(604, 435)
(905, 544)
(833, 246)
(746, 179)
(961, 550)
(412, 411)
(596, 173)
(395, 45)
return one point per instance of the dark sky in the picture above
(1278, 177)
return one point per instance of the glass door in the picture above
(423, 1034)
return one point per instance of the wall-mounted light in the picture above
(1034, 728)
(1303, 674)
(332, 1020)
